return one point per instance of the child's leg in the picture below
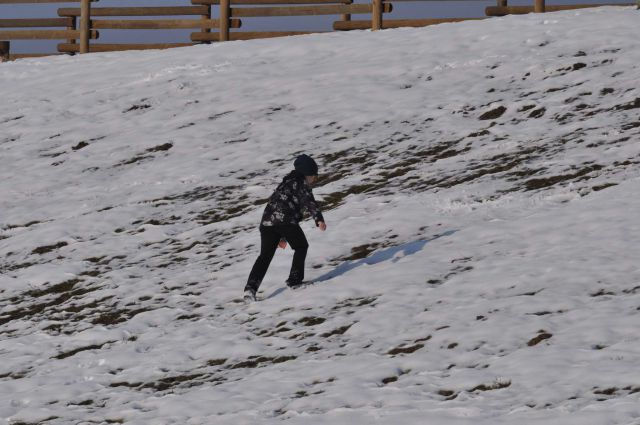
(269, 239)
(298, 242)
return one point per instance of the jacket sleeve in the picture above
(310, 204)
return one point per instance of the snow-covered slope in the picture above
(479, 181)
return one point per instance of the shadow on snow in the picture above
(406, 249)
(391, 253)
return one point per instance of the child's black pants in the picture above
(269, 238)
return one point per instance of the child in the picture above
(280, 224)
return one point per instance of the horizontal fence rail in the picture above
(247, 35)
(36, 23)
(271, 2)
(396, 23)
(138, 11)
(74, 48)
(77, 27)
(37, 1)
(165, 24)
(15, 56)
(44, 34)
(247, 12)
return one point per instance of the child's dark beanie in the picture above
(306, 165)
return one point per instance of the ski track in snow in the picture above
(479, 182)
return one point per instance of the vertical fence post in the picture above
(376, 15)
(207, 17)
(5, 47)
(539, 6)
(346, 17)
(85, 25)
(72, 27)
(502, 3)
(225, 14)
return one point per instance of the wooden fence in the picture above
(76, 27)
(71, 31)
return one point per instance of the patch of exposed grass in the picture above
(480, 133)
(137, 107)
(14, 375)
(311, 321)
(19, 117)
(448, 394)
(160, 148)
(77, 308)
(80, 146)
(355, 302)
(81, 349)
(338, 331)
(526, 108)
(117, 316)
(362, 251)
(490, 387)
(256, 361)
(634, 104)
(335, 199)
(64, 291)
(389, 380)
(543, 183)
(17, 226)
(537, 113)
(51, 418)
(48, 248)
(223, 214)
(493, 114)
(125, 384)
(603, 186)
(633, 290)
(601, 293)
(174, 381)
(59, 288)
(607, 391)
(220, 115)
(457, 270)
(146, 155)
(405, 350)
(189, 317)
(88, 402)
(542, 335)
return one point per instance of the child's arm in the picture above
(312, 206)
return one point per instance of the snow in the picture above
(479, 183)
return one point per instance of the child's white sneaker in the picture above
(249, 295)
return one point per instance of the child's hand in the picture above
(322, 225)
(282, 244)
